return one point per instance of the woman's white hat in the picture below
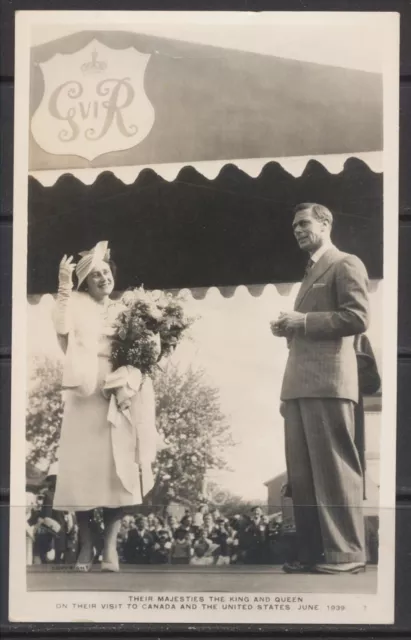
(90, 258)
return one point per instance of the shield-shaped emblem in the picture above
(94, 102)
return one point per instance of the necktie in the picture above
(308, 268)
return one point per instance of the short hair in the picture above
(186, 518)
(113, 267)
(320, 213)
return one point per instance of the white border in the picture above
(41, 607)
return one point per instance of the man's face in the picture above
(309, 232)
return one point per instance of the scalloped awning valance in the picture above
(193, 232)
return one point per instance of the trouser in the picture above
(325, 476)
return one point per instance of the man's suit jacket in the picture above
(322, 361)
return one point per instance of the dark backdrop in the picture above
(195, 232)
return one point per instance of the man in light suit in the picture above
(319, 392)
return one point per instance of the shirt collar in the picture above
(320, 252)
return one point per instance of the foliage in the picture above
(229, 504)
(196, 432)
(44, 411)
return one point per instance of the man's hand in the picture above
(291, 322)
(277, 330)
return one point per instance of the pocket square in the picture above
(317, 285)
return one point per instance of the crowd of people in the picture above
(203, 539)
(199, 538)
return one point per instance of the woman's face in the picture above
(100, 281)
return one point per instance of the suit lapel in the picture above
(320, 267)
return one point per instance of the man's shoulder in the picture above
(346, 260)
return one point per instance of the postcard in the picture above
(204, 317)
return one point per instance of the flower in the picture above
(128, 298)
(150, 326)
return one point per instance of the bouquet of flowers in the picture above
(148, 328)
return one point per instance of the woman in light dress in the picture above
(108, 438)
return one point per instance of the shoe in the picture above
(340, 568)
(83, 567)
(110, 567)
(297, 567)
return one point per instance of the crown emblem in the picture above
(94, 66)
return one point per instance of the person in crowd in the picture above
(43, 535)
(208, 525)
(182, 550)
(127, 523)
(221, 538)
(72, 541)
(239, 523)
(320, 390)
(53, 519)
(162, 545)
(97, 536)
(30, 530)
(152, 522)
(139, 543)
(204, 550)
(96, 460)
(277, 546)
(256, 538)
(172, 524)
(199, 515)
(187, 526)
(215, 514)
(232, 544)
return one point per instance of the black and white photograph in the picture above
(204, 317)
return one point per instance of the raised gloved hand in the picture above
(66, 269)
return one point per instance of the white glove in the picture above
(66, 269)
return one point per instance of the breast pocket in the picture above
(319, 297)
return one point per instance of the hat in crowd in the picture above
(90, 258)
